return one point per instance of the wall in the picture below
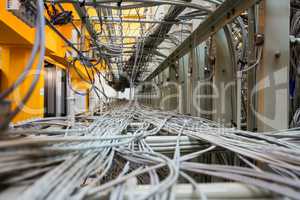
(13, 62)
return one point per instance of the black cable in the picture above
(73, 89)
(90, 81)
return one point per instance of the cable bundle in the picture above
(101, 155)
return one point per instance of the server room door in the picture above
(50, 90)
(61, 92)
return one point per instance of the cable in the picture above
(260, 52)
(127, 142)
(28, 66)
(41, 43)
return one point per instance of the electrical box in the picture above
(24, 10)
